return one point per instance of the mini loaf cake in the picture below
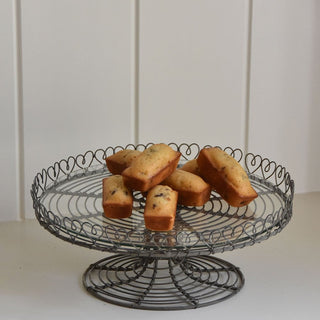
(151, 167)
(191, 166)
(121, 160)
(226, 176)
(117, 200)
(192, 190)
(160, 208)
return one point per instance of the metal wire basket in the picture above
(160, 270)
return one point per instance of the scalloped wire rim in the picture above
(67, 195)
(256, 163)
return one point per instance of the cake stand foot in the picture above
(162, 284)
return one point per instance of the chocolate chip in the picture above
(159, 195)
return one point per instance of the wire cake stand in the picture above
(160, 270)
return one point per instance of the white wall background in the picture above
(76, 75)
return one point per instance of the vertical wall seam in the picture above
(18, 96)
(135, 71)
(248, 49)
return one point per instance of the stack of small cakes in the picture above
(154, 172)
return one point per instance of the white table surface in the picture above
(40, 275)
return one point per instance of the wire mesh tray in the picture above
(67, 198)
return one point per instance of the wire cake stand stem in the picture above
(160, 270)
(168, 284)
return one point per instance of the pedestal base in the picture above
(162, 284)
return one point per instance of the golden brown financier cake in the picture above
(121, 160)
(160, 209)
(151, 167)
(117, 199)
(191, 166)
(226, 176)
(192, 190)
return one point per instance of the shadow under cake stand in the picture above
(160, 270)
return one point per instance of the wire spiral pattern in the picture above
(162, 284)
(160, 270)
(67, 201)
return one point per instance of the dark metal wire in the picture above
(67, 200)
(162, 284)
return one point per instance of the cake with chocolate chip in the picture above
(160, 208)
(151, 167)
(192, 189)
(191, 166)
(226, 176)
(117, 199)
(121, 160)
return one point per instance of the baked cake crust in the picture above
(160, 208)
(117, 199)
(226, 176)
(121, 160)
(191, 166)
(192, 189)
(151, 167)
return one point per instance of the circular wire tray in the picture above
(163, 284)
(160, 270)
(67, 198)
